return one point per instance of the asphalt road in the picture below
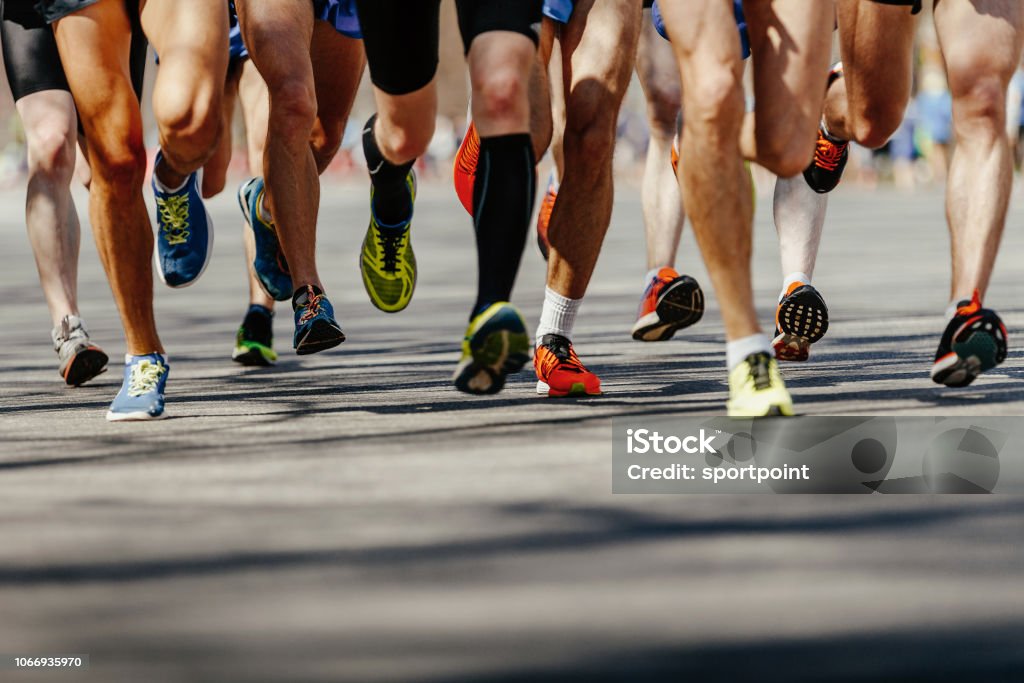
(351, 517)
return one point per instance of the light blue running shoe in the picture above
(142, 393)
(184, 234)
(269, 264)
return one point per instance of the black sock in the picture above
(392, 204)
(503, 194)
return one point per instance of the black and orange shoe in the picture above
(670, 302)
(464, 171)
(800, 320)
(830, 153)
(560, 372)
(675, 154)
(974, 341)
(544, 217)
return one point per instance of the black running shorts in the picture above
(401, 37)
(52, 10)
(30, 52)
(916, 4)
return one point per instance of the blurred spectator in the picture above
(934, 109)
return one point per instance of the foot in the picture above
(544, 217)
(388, 263)
(254, 344)
(80, 359)
(800, 320)
(464, 171)
(830, 154)
(756, 388)
(315, 327)
(670, 302)
(142, 393)
(496, 345)
(974, 341)
(184, 234)
(560, 372)
(270, 265)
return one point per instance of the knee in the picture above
(51, 151)
(325, 142)
(292, 110)
(501, 95)
(714, 102)
(590, 129)
(663, 106)
(214, 181)
(119, 162)
(402, 144)
(786, 152)
(189, 120)
(874, 125)
(979, 103)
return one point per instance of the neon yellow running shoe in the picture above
(756, 389)
(387, 262)
(496, 345)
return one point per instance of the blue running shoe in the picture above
(184, 235)
(315, 327)
(142, 394)
(270, 265)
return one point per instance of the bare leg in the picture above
(50, 123)
(799, 218)
(338, 64)
(216, 169)
(252, 94)
(981, 42)
(662, 205)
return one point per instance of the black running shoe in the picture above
(254, 344)
(974, 341)
(800, 320)
(830, 153)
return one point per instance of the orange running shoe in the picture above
(464, 172)
(560, 371)
(544, 217)
(670, 302)
(675, 154)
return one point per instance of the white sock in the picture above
(951, 309)
(558, 315)
(790, 279)
(651, 274)
(128, 357)
(737, 351)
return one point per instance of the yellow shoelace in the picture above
(174, 215)
(144, 378)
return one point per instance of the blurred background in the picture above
(917, 155)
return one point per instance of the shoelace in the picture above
(312, 306)
(760, 372)
(828, 154)
(391, 244)
(144, 377)
(174, 215)
(560, 355)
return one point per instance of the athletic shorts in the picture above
(561, 10)
(339, 13)
(916, 4)
(741, 25)
(52, 10)
(30, 52)
(401, 37)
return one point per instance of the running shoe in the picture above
(315, 327)
(270, 265)
(184, 232)
(387, 262)
(974, 341)
(675, 155)
(560, 372)
(756, 388)
(464, 171)
(496, 345)
(254, 343)
(830, 153)
(544, 217)
(80, 359)
(800, 320)
(142, 393)
(670, 302)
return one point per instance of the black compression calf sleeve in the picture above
(392, 204)
(503, 195)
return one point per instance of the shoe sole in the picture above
(84, 366)
(320, 337)
(681, 306)
(975, 354)
(251, 357)
(577, 389)
(791, 348)
(499, 347)
(140, 416)
(803, 315)
(773, 410)
(209, 248)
